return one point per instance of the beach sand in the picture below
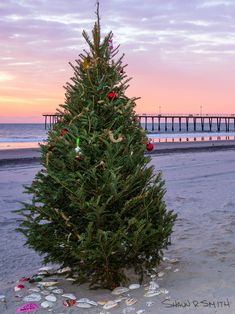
(200, 188)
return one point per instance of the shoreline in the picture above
(33, 155)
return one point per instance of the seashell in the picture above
(176, 270)
(174, 261)
(86, 300)
(34, 297)
(46, 269)
(63, 270)
(48, 283)
(47, 304)
(140, 311)
(43, 273)
(35, 289)
(83, 305)
(26, 308)
(45, 292)
(150, 303)
(160, 274)
(119, 290)
(152, 293)
(58, 291)
(153, 276)
(153, 285)
(102, 302)
(69, 296)
(110, 305)
(70, 279)
(19, 287)
(2, 298)
(168, 268)
(134, 286)
(130, 301)
(165, 259)
(51, 298)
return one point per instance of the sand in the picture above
(200, 188)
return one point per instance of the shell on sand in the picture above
(140, 311)
(63, 270)
(35, 289)
(134, 286)
(46, 268)
(51, 298)
(163, 291)
(46, 304)
(152, 293)
(110, 305)
(48, 283)
(69, 296)
(83, 305)
(120, 299)
(168, 268)
(34, 297)
(2, 298)
(119, 290)
(70, 279)
(88, 301)
(174, 261)
(161, 274)
(176, 270)
(131, 301)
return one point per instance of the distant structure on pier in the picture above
(174, 122)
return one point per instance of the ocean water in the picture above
(30, 135)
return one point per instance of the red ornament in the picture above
(112, 95)
(149, 147)
(78, 157)
(63, 132)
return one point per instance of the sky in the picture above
(180, 53)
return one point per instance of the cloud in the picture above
(216, 3)
(6, 77)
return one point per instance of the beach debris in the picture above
(118, 300)
(140, 311)
(163, 291)
(109, 305)
(63, 270)
(165, 259)
(58, 291)
(174, 261)
(160, 274)
(88, 301)
(102, 302)
(131, 301)
(153, 285)
(48, 283)
(69, 303)
(47, 304)
(149, 303)
(119, 290)
(51, 298)
(26, 308)
(69, 296)
(134, 286)
(128, 310)
(19, 287)
(34, 297)
(176, 270)
(152, 293)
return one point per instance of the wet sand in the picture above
(200, 188)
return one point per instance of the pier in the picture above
(166, 123)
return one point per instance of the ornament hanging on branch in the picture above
(110, 44)
(149, 146)
(63, 132)
(112, 95)
(86, 64)
(78, 149)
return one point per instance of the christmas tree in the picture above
(97, 206)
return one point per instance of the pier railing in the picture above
(174, 122)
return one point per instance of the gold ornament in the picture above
(86, 63)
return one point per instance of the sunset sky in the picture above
(180, 53)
